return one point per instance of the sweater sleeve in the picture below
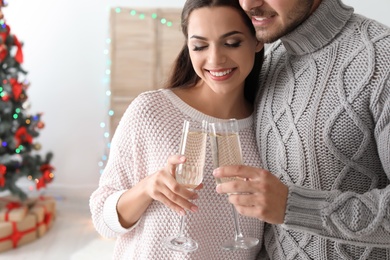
(118, 175)
(349, 217)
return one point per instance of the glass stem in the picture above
(238, 235)
(182, 218)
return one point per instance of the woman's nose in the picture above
(216, 56)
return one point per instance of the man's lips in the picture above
(262, 20)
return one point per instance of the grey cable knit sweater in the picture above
(323, 127)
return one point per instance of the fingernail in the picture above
(218, 188)
(195, 196)
(182, 213)
(194, 209)
(182, 158)
(216, 172)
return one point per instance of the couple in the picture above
(315, 135)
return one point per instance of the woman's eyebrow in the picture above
(222, 36)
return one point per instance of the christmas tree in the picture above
(18, 128)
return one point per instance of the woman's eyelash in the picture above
(233, 45)
(198, 48)
(230, 45)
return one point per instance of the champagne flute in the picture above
(226, 150)
(190, 175)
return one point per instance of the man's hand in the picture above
(257, 193)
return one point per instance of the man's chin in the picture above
(266, 39)
(272, 36)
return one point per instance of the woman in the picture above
(213, 78)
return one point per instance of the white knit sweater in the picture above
(323, 127)
(147, 134)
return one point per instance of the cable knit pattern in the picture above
(147, 134)
(323, 126)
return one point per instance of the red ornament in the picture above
(5, 98)
(5, 34)
(40, 125)
(41, 183)
(19, 53)
(22, 136)
(3, 52)
(3, 171)
(46, 167)
(17, 88)
(47, 176)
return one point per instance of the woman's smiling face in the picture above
(222, 48)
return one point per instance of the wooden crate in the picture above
(142, 52)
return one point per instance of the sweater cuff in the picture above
(110, 214)
(304, 209)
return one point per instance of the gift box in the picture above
(49, 207)
(14, 234)
(21, 223)
(12, 210)
(44, 210)
(42, 218)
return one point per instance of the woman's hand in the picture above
(161, 186)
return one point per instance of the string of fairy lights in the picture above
(105, 125)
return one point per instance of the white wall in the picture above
(64, 43)
(376, 9)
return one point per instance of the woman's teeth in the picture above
(220, 73)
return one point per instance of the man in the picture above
(323, 132)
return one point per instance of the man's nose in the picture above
(247, 5)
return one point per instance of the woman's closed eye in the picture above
(233, 44)
(199, 48)
(229, 44)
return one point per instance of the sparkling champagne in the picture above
(226, 150)
(190, 173)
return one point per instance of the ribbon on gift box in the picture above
(48, 204)
(10, 206)
(12, 209)
(47, 217)
(41, 197)
(16, 235)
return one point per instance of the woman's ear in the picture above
(259, 46)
